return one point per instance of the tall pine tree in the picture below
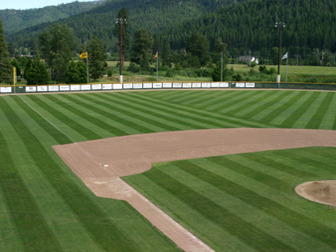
(5, 65)
(97, 58)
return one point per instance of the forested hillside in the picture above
(310, 24)
(15, 20)
(152, 15)
(243, 25)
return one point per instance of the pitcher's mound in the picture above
(323, 191)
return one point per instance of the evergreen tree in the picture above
(126, 37)
(97, 58)
(198, 45)
(33, 47)
(75, 73)
(5, 65)
(142, 49)
(37, 73)
(166, 52)
(27, 68)
(57, 44)
(15, 63)
(11, 49)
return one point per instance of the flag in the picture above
(285, 56)
(83, 55)
(155, 55)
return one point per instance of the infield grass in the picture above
(247, 202)
(235, 203)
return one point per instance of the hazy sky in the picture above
(31, 4)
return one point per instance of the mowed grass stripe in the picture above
(307, 116)
(81, 118)
(270, 206)
(188, 97)
(268, 159)
(234, 99)
(257, 171)
(138, 117)
(287, 199)
(57, 214)
(329, 119)
(109, 236)
(237, 227)
(270, 113)
(197, 114)
(266, 102)
(209, 232)
(218, 98)
(318, 117)
(31, 227)
(61, 138)
(304, 159)
(199, 97)
(64, 118)
(243, 104)
(258, 218)
(288, 118)
(101, 123)
(163, 114)
(126, 123)
(151, 111)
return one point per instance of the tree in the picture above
(27, 68)
(126, 37)
(37, 73)
(97, 58)
(142, 49)
(15, 64)
(57, 44)
(198, 45)
(166, 52)
(5, 65)
(220, 49)
(76, 73)
(11, 49)
(33, 47)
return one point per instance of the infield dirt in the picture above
(101, 163)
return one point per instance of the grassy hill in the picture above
(14, 20)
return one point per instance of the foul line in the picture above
(45, 119)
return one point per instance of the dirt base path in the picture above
(101, 163)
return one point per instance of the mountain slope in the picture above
(153, 15)
(15, 20)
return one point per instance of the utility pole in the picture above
(121, 21)
(280, 25)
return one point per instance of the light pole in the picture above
(121, 21)
(280, 25)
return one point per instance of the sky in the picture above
(31, 4)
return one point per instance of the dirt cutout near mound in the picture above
(101, 163)
(323, 191)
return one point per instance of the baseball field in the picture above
(242, 201)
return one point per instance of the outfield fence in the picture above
(169, 85)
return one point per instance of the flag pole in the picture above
(157, 67)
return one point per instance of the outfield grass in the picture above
(44, 206)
